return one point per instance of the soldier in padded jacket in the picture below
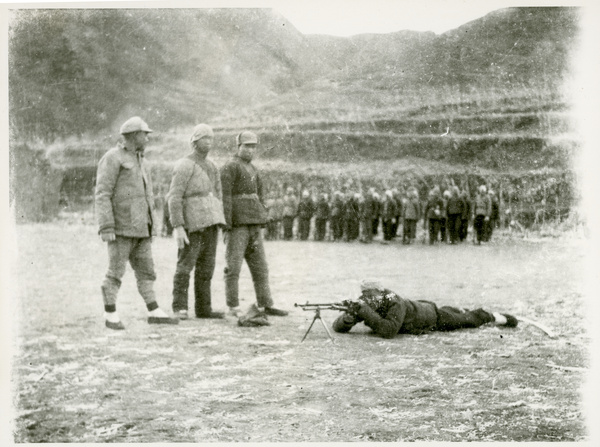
(245, 216)
(388, 314)
(196, 214)
(127, 221)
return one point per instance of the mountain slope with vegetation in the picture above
(487, 98)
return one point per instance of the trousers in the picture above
(245, 243)
(199, 255)
(138, 252)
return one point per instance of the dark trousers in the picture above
(395, 226)
(388, 229)
(272, 230)
(351, 229)
(245, 243)
(454, 227)
(479, 225)
(434, 230)
(320, 229)
(452, 318)
(410, 231)
(288, 227)
(443, 228)
(199, 255)
(375, 226)
(304, 228)
(464, 229)
(489, 229)
(337, 227)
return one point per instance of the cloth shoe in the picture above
(182, 314)
(275, 312)
(117, 326)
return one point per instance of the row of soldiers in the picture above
(355, 216)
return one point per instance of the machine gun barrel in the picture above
(322, 306)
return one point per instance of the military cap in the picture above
(246, 137)
(134, 124)
(201, 130)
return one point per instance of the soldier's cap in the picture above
(370, 284)
(201, 130)
(246, 137)
(134, 124)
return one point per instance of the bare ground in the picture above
(201, 381)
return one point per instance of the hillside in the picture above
(77, 72)
(485, 100)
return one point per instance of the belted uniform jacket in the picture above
(242, 194)
(124, 199)
(195, 196)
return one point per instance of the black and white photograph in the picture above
(316, 221)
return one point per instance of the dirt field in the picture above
(76, 381)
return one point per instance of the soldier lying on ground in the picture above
(388, 314)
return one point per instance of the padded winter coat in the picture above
(195, 197)
(124, 199)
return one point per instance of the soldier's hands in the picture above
(181, 237)
(352, 307)
(225, 236)
(108, 236)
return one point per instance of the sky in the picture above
(350, 17)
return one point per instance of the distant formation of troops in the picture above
(351, 216)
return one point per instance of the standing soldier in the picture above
(388, 215)
(482, 209)
(411, 213)
(306, 209)
(432, 215)
(290, 210)
(337, 216)
(245, 215)
(399, 199)
(271, 217)
(455, 209)
(444, 217)
(278, 215)
(196, 211)
(321, 217)
(465, 216)
(494, 216)
(377, 206)
(352, 217)
(367, 211)
(125, 210)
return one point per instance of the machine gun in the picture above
(317, 307)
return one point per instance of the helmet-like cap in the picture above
(246, 137)
(134, 124)
(201, 130)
